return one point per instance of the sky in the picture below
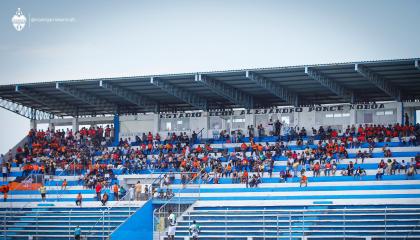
(103, 38)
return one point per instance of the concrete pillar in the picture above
(352, 117)
(75, 124)
(156, 124)
(51, 126)
(249, 120)
(400, 112)
(33, 124)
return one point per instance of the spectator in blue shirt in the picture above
(77, 233)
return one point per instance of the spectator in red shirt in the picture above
(98, 189)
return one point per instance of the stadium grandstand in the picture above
(328, 151)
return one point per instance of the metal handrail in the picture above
(59, 175)
(108, 210)
(158, 211)
(122, 200)
(414, 229)
(11, 204)
(60, 196)
(159, 179)
(201, 135)
(183, 189)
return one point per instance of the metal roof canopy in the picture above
(354, 82)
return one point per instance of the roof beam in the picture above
(184, 95)
(24, 111)
(48, 101)
(130, 96)
(85, 97)
(279, 91)
(378, 81)
(234, 95)
(333, 86)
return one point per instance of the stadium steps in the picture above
(323, 221)
(60, 222)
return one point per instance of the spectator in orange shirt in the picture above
(79, 200)
(303, 181)
(64, 185)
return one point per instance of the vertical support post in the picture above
(33, 124)
(103, 224)
(156, 123)
(4, 223)
(385, 221)
(116, 128)
(226, 223)
(199, 191)
(75, 124)
(290, 225)
(51, 126)
(264, 223)
(109, 222)
(70, 224)
(402, 113)
(303, 222)
(37, 214)
(344, 222)
(179, 203)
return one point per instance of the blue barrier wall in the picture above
(138, 226)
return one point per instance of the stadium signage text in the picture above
(276, 110)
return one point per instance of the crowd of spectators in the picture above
(352, 136)
(86, 153)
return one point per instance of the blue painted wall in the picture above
(116, 129)
(138, 227)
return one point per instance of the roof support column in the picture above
(417, 64)
(116, 129)
(33, 124)
(75, 124)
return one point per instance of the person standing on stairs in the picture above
(194, 230)
(172, 225)
(79, 200)
(115, 189)
(43, 191)
(77, 233)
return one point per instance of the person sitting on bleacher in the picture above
(104, 199)
(411, 172)
(235, 177)
(379, 173)
(359, 173)
(394, 166)
(350, 169)
(303, 181)
(361, 156)
(244, 178)
(316, 169)
(283, 176)
(255, 180)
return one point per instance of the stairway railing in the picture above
(163, 211)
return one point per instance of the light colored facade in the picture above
(207, 124)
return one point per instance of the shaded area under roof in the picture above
(354, 82)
